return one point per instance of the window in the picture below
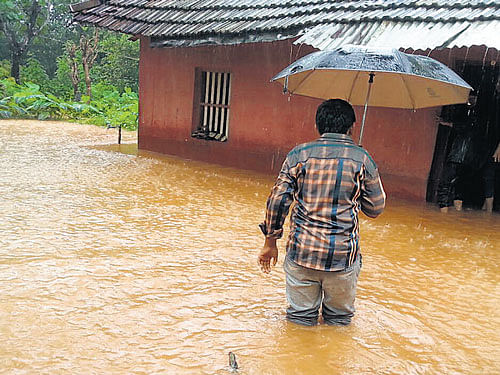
(211, 112)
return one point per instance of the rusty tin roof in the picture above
(318, 22)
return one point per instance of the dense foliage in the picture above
(45, 89)
(107, 108)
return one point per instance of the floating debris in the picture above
(232, 361)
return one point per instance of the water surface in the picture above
(118, 262)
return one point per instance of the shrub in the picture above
(4, 69)
(34, 72)
(60, 85)
(108, 107)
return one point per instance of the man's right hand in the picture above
(268, 254)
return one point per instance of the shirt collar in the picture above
(337, 137)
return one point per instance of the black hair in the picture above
(334, 116)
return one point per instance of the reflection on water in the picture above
(113, 261)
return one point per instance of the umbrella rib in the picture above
(352, 85)
(408, 89)
(301, 82)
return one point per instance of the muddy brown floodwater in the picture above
(114, 261)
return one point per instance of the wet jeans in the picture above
(307, 290)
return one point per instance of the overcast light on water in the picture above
(114, 261)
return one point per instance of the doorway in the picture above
(484, 80)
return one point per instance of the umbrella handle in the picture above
(370, 82)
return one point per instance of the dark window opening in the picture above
(212, 97)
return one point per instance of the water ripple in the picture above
(113, 261)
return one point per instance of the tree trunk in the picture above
(88, 47)
(14, 69)
(75, 77)
(19, 40)
(88, 81)
(77, 95)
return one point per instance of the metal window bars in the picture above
(214, 106)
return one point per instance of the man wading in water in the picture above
(330, 180)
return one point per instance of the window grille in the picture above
(214, 95)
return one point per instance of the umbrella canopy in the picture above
(399, 80)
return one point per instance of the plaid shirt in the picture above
(330, 180)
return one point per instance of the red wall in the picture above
(264, 123)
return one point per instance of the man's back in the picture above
(331, 179)
(333, 182)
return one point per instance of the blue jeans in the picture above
(308, 289)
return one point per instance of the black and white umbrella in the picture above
(374, 77)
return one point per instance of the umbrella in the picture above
(374, 77)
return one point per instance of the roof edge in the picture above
(224, 40)
(78, 7)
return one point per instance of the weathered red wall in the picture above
(264, 123)
(402, 144)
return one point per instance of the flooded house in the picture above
(205, 70)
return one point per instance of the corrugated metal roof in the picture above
(321, 23)
(416, 35)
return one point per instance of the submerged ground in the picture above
(113, 261)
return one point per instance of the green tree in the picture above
(21, 21)
(89, 48)
(118, 61)
(73, 57)
(4, 69)
(60, 85)
(51, 42)
(34, 72)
